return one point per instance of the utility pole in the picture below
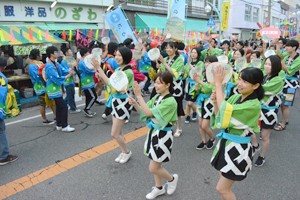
(269, 12)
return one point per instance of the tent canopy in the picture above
(156, 21)
(21, 36)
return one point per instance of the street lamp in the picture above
(208, 10)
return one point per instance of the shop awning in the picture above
(154, 21)
(21, 36)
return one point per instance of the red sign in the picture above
(270, 32)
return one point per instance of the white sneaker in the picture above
(178, 133)
(125, 157)
(172, 185)
(126, 121)
(119, 157)
(104, 116)
(155, 193)
(75, 111)
(58, 128)
(68, 129)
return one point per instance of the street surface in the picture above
(99, 177)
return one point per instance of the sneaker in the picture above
(178, 133)
(125, 157)
(119, 157)
(8, 159)
(194, 116)
(187, 120)
(58, 128)
(201, 146)
(155, 193)
(210, 143)
(75, 111)
(48, 122)
(255, 148)
(88, 113)
(68, 129)
(104, 116)
(172, 185)
(126, 121)
(259, 161)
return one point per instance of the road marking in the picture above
(35, 116)
(46, 173)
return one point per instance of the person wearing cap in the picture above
(54, 83)
(38, 84)
(5, 157)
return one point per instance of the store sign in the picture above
(25, 49)
(271, 33)
(41, 12)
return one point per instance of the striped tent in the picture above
(14, 35)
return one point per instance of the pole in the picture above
(269, 12)
(219, 16)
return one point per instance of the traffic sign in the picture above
(211, 22)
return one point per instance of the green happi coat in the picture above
(159, 142)
(210, 52)
(232, 155)
(271, 101)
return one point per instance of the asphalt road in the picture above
(39, 146)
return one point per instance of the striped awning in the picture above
(15, 35)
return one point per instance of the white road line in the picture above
(37, 116)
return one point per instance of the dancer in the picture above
(87, 83)
(194, 61)
(119, 101)
(273, 85)
(173, 63)
(205, 107)
(39, 85)
(54, 84)
(160, 114)
(291, 66)
(234, 153)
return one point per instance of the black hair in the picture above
(292, 43)
(211, 59)
(83, 51)
(3, 61)
(276, 65)
(198, 50)
(173, 45)
(129, 43)
(126, 54)
(50, 50)
(284, 41)
(165, 77)
(214, 39)
(180, 46)
(95, 44)
(254, 75)
(112, 47)
(225, 42)
(34, 53)
(65, 50)
(163, 46)
(257, 53)
(241, 51)
(241, 43)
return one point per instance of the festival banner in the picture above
(175, 19)
(225, 15)
(119, 24)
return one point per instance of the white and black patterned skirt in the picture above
(158, 145)
(121, 108)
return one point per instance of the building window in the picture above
(248, 13)
(255, 14)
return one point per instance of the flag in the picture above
(70, 35)
(225, 15)
(97, 34)
(176, 8)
